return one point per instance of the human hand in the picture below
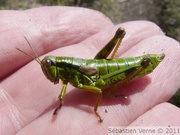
(28, 99)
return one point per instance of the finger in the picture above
(164, 114)
(51, 28)
(155, 88)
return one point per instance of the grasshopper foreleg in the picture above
(61, 97)
(94, 90)
(99, 93)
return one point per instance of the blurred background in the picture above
(165, 13)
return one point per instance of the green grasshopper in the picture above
(96, 74)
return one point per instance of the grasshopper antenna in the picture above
(36, 56)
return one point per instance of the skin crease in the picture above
(28, 99)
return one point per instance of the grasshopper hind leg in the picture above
(114, 43)
(144, 64)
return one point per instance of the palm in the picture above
(29, 99)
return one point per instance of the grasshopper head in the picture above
(48, 65)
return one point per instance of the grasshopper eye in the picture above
(47, 63)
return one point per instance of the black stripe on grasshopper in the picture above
(93, 75)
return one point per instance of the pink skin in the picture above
(28, 99)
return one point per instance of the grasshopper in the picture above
(96, 74)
